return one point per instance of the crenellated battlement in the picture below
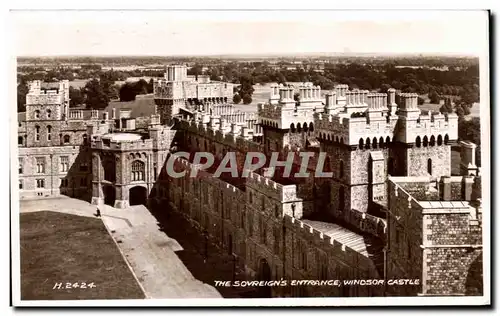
(231, 134)
(273, 189)
(352, 129)
(354, 252)
(430, 125)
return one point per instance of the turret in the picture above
(468, 158)
(286, 97)
(331, 103)
(341, 91)
(275, 94)
(391, 101)
(408, 105)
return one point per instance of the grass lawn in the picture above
(143, 105)
(64, 248)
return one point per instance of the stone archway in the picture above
(264, 275)
(138, 195)
(109, 195)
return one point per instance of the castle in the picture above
(392, 209)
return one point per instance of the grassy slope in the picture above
(64, 248)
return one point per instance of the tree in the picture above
(128, 92)
(434, 97)
(22, 91)
(141, 87)
(75, 97)
(246, 86)
(384, 87)
(420, 101)
(247, 99)
(447, 107)
(236, 98)
(106, 81)
(95, 95)
(150, 86)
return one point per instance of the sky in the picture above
(164, 33)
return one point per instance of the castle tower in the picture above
(468, 159)
(169, 93)
(46, 103)
(422, 141)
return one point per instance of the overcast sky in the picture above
(256, 32)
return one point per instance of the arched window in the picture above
(299, 129)
(137, 171)
(304, 126)
(311, 127)
(292, 128)
(66, 139)
(429, 166)
(381, 142)
(426, 141)
(446, 139)
(418, 142)
(387, 141)
(37, 133)
(432, 142)
(49, 132)
(37, 114)
(374, 144)
(361, 143)
(367, 144)
(341, 169)
(327, 167)
(440, 140)
(49, 113)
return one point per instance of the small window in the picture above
(49, 113)
(20, 140)
(40, 165)
(66, 139)
(21, 184)
(37, 114)
(429, 166)
(40, 183)
(37, 133)
(64, 163)
(49, 132)
(21, 165)
(341, 169)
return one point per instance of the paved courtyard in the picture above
(149, 251)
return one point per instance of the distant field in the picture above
(63, 248)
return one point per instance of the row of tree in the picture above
(461, 81)
(96, 93)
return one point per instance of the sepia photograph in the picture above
(250, 158)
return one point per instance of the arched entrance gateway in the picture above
(264, 275)
(109, 195)
(138, 195)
